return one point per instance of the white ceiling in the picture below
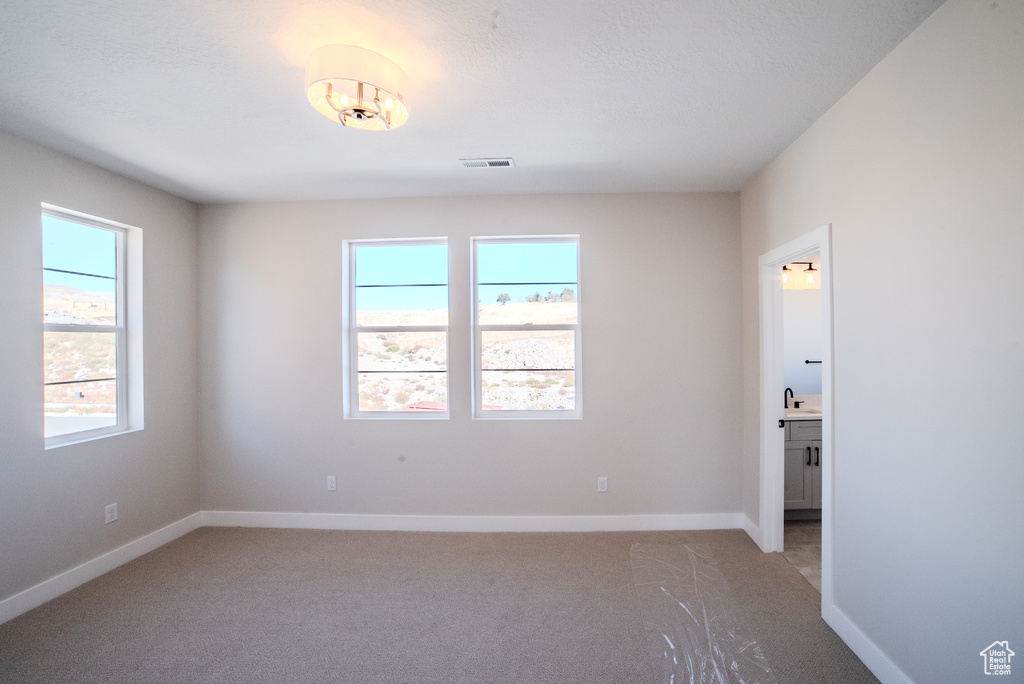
(204, 98)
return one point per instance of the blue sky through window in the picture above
(70, 246)
(417, 276)
(525, 269)
(537, 262)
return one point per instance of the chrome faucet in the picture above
(786, 396)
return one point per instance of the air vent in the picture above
(497, 163)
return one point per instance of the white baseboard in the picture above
(865, 649)
(474, 523)
(752, 530)
(32, 597)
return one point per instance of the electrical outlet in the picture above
(602, 484)
(332, 483)
(109, 513)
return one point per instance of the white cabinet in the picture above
(803, 464)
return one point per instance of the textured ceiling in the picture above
(204, 98)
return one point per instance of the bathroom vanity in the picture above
(803, 463)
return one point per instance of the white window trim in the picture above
(350, 332)
(128, 329)
(477, 371)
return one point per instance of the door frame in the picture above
(772, 438)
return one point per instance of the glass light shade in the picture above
(357, 87)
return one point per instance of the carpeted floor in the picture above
(253, 605)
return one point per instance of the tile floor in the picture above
(802, 543)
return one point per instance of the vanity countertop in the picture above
(803, 414)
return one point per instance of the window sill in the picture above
(81, 437)
(528, 415)
(401, 415)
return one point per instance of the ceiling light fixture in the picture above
(357, 87)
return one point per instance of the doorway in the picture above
(772, 411)
(802, 325)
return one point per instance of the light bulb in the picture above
(388, 104)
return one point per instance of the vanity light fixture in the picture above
(357, 87)
(789, 282)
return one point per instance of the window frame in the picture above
(478, 412)
(126, 330)
(351, 331)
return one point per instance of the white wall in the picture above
(923, 158)
(661, 378)
(51, 501)
(801, 330)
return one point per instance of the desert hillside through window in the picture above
(80, 317)
(527, 322)
(526, 326)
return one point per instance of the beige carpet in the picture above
(295, 606)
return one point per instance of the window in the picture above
(85, 327)
(397, 337)
(526, 327)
